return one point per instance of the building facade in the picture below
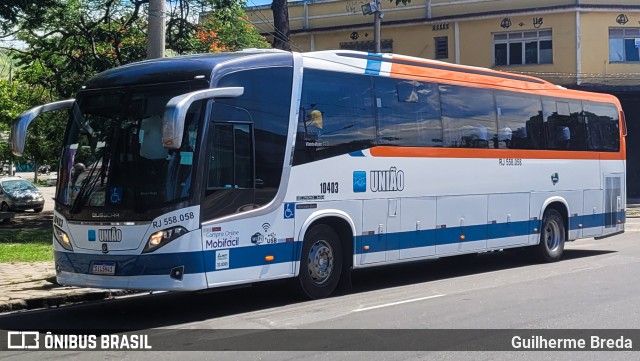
(583, 44)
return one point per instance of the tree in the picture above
(228, 28)
(76, 39)
(281, 25)
(44, 135)
(26, 10)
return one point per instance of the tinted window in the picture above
(244, 169)
(231, 161)
(519, 121)
(408, 113)
(336, 115)
(468, 116)
(266, 103)
(564, 124)
(602, 124)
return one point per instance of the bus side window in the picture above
(603, 126)
(408, 113)
(519, 121)
(336, 115)
(565, 126)
(468, 117)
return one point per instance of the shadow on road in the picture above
(171, 309)
(29, 220)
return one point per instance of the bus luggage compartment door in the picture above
(461, 224)
(375, 234)
(418, 237)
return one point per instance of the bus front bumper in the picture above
(154, 272)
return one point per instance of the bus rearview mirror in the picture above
(176, 112)
(21, 123)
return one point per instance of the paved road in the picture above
(595, 286)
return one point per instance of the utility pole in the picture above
(376, 25)
(374, 8)
(155, 36)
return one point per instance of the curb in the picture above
(60, 300)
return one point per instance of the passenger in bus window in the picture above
(563, 137)
(480, 137)
(504, 138)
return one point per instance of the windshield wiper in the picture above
(89, 183)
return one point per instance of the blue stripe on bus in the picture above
(357, 154)
(426, 238)
(252, 256)
(374, 63)
(132, 265)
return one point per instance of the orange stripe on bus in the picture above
(418, 152)
(414, 72)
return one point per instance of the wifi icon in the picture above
(266, 226)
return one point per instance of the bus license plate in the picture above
(104, 268)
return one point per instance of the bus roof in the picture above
(174, 69)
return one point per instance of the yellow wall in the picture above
(596, 67)
(457, 7)
(475, 32)
(476, 44)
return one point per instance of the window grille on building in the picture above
(523, 47)
(442, 47)
(622, 44)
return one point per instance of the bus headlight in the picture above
(62, 238)
(160, 238)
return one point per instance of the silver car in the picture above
(17, 194)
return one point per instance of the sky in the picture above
(257, 2)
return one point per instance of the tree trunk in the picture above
(281, 25)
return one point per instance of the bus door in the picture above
(380, 231)
(613, 204)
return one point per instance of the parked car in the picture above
(53, 178)
(17, 194)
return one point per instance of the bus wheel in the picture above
(552, 236)
(321, 262)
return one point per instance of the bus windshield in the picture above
(113, 155)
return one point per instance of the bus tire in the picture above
(552, 237)
(321, 262)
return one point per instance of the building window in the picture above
(523, 47)
(622, 45)
(442, 47)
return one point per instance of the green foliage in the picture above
(78, 40)
(15, 98)
(404, 2)
(26, 11)
(71, 40)
(228, 28)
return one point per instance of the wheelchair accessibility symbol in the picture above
(116, 195)
(289, 211)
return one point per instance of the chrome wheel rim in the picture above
(552, 235)
(320, 262)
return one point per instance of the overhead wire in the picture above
(278, 34)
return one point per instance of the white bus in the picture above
(214, 170)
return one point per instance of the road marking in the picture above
(396, 303)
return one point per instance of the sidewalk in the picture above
(25, 285)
